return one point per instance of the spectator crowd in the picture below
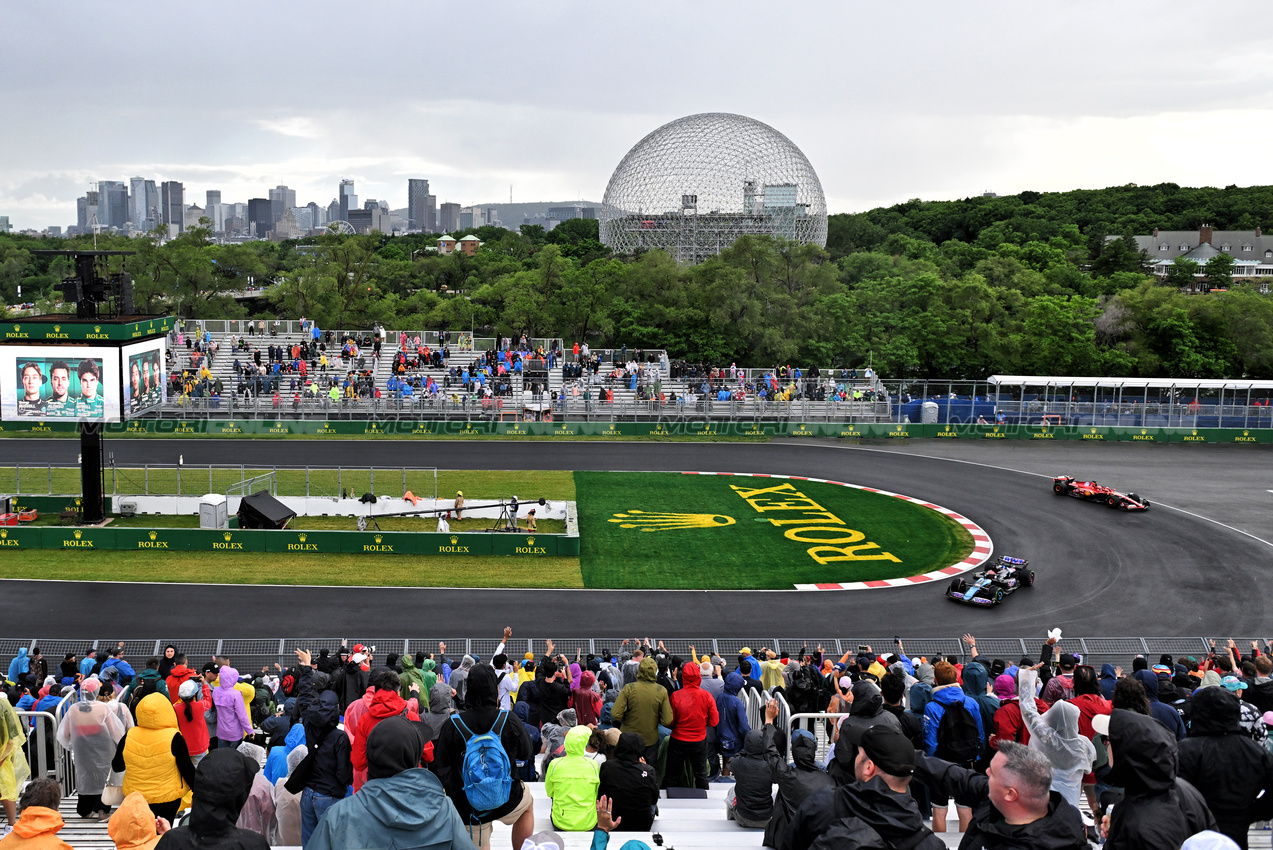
(344, 749)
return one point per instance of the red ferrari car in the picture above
(1066, 485)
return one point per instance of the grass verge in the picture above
(710, 537)
(272, 568)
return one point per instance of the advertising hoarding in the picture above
(77, 383)
(145, 373)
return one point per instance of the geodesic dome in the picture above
(695, 185)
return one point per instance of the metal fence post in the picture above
(340, 480)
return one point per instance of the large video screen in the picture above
(144, 376)
(59, 382)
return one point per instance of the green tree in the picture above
(1219, 271)
(1182, 272)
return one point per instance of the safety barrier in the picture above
(43, 754)
(666, 428)
(290, 542)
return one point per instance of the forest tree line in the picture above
(1025, 284)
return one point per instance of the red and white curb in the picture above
(982, 547)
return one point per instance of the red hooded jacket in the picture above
(384, 704)
(693, 708)
(179, 674)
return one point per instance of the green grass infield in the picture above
(672, 530)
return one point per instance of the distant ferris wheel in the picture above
(341, 227)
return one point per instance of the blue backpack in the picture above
(487, 773)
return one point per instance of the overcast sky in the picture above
(889, 101)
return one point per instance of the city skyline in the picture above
(934, 101)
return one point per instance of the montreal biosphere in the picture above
(695, 185)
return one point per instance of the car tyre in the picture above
(958, 585)
(1112, 502)
(1059, 489)
(998, 596)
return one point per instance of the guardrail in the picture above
(253, 653)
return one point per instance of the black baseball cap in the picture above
(892, 752)
(1067, 661)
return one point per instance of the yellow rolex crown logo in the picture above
(530, 541)
(664, 521)
(1246, 433)
(1195, 433)
(302, 538)
(17, 327)
(57, 329)
(278, 424)
(3, 534)
(454, 540)
(1093, 430)
(78, 534)
(153, 535)
(97, 329)
(1142, 430)
(378, 538)
(227, 536)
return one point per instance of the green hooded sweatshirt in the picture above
(427, 666)
(643, 705)
(410, 673)
(573, 782)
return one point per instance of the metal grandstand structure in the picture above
(695, 185)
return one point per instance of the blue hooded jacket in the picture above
(19, 666)
(975, 679)
(409, 809)
(936, 709)
(276, 761)
(1163, 713)
(1108, 680)
(733, 727)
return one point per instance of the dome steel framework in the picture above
(695, 185)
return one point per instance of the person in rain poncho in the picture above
(14, 769)
(90, 731)
(1056, 735)
(287, 806)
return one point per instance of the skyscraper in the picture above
(417, 204)
(348, 200)
(153, 205)
(137, 210)
(112, 203)
(260, 217)
(281, 199)
(173, 206)
(86, 211)
(215, 210)
(449, 218)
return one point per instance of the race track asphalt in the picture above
(1196, 564)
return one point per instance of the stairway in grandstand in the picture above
(683, 825)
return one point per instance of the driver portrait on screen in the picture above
(60, 382)
(32, 379)
(89, 404)
(134, 384)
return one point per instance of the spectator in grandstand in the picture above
(134, 826)
(325, 774)
(873, 809)
(572, 782)
(459, 680)
(630, 783)
(287, 805)
(178, 674)
(440, 709)
(1164, 714)
(91, 732)
(193, 702)
(148, 681)
(952, 732)
(1156, 808)
(643, 706)
(974, 680)
(1225, 765)
(123, 670)
(481, 716)
(233, 722)
(155, 758)
(1012, 803)
(1056, 734)
(385, 703)
(866, 710)
(797, 782)
(585, 700)
(732, 729)
(222, 784)
(693, 712)
(1260, 694)
(40, 822)
(750, 802)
